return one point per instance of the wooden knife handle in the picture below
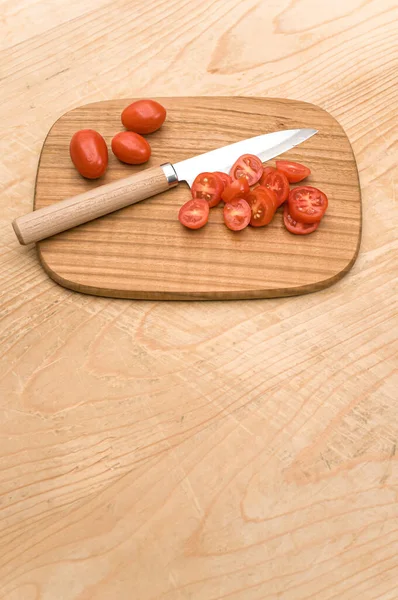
(47, 221)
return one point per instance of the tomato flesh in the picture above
(237, 215)
(194, 214)
(293, 171)
(307, 204)
(266, 171)
(263, 204)
(278, 183)
(207, 186)
(239, 188)
(248, 166)
(296, 226)
(226, 179)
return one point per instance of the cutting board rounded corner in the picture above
(142, 252)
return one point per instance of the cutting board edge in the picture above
(240, 294)
(199, 296)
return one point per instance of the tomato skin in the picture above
(237, 214)
(248, 166)
(226, 179)
(296, 226)
(208, 186)
(239, 188)
(194, 214)
(131, 148)
(263, 204)
(307, 204)
(266, 171)
(278, 183)
(89, 153)
(143, 116)
(293, 171)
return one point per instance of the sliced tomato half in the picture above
(263, 204)
(207, 186)
(294, 171)
(307, 204)
(295, 226)
(248, 166)
(237, 215)
(278, 183)
(194, 214)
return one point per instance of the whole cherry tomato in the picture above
(89, 153)
(131, 148)
(143, 116)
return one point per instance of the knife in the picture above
(104, 199)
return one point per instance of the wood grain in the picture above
(199, 450)
(142, 251)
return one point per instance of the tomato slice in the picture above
(266, 171)
(226, 179)
(194, 214)
(249, 166)
(263, 204)
(239, 188)
(296, 226)
(307, 204)
(278, 183)
(207, 186)
(237, 215)
(294, 171)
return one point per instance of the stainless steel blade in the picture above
(265, 146)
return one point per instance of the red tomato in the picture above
(295, 226)
(194, 213)
(278, 183)
(263, 204)
(249, 166)
(226, 179)
(307, 204)
(239, 188)
(294, 172)
(89, 153)
(144, 116)
(266, 171)
(208, 186)
(131, 148)
(237, 215)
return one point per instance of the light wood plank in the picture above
(206, 450)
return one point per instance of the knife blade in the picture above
(264, 146)
(104, 199)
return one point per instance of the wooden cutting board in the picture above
(142, 251)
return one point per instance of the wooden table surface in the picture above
(242, 450)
